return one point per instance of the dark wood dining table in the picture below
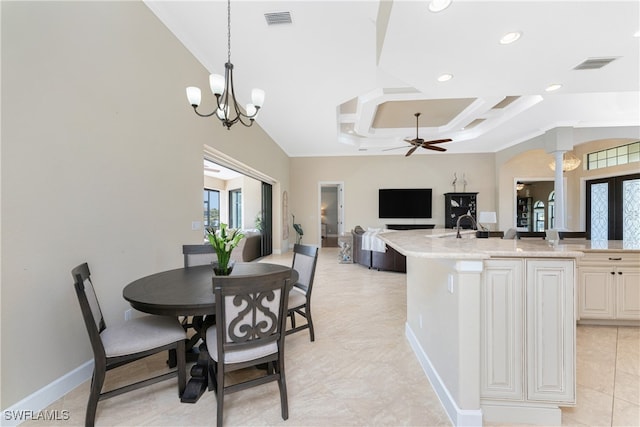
(189, 292)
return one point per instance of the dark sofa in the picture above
(390, 260)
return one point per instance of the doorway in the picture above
(531, 197)
(246, 196)
(612, 208)
(331, 213)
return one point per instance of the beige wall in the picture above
(364, 175)
(101, 162)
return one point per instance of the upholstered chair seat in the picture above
(238, 356)
(140, 334)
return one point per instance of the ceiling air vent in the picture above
(278, 18)
(594, 63)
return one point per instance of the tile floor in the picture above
(361, 370)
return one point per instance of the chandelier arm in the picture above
(236, 107)
(195, 109)
(240, 115)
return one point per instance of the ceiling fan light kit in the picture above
(227, 109)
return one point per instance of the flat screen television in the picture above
(404, 203)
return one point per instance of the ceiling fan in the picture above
(419, 142)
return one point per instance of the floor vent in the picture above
(278, 18)
(594, 63)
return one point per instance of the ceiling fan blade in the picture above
(434, 148)
(410, 152)
(394, 148)
(438, 141)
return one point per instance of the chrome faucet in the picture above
(475, 225)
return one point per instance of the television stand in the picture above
(410, 226)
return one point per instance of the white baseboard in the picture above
(457, 416)
(30, 407)
(525, 414)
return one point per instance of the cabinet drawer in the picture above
(609, 258)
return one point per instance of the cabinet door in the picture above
(550, 329)
(627, 287)
(596, 292)
(501, 330)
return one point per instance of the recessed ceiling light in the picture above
(553, 87)
(439, 5)
(445, 77)
(637, 34)
(511, 37)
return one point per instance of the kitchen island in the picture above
(492, 323)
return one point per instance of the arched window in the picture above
(538, 216)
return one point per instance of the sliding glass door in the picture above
(267, 217)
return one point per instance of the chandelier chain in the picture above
(228, 30)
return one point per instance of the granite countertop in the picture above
(442, 243)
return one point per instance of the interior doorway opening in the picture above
(245, 196)
(331, 213)
(531, 196)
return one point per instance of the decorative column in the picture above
(559, 141)
(559, 189)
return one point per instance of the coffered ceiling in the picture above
(347, 77)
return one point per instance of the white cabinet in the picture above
(596, 293)
(501, 329)
(627, 286)
(609, 287)
(527, 336)
(550, 330)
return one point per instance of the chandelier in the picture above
(227, 107)
(569, 162)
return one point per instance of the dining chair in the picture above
(195, 255)
(249, 331)
(305, 258)
(510, 234)
(572, 235)
(198, 254)
(531, 235)
(118, 345)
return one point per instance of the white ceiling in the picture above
(329, 73)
